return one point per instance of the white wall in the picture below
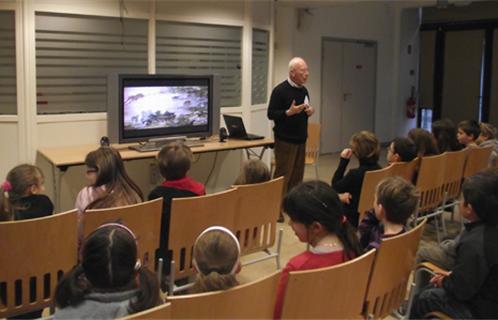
(377, 21)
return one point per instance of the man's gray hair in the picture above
(294, 61)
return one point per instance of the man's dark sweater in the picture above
(352, 182)
(293, 129)
(474, 279)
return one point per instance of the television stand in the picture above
(158, 143)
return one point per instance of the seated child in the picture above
(365, 146)
(20, 199)
(20, 196)
(395, 201)
(488, 138)
(468, 132)
(401, 150)
(174, 163)
(317, 218)
(445, 132)
(110, 281)
(253, 171)
(425, 143)
(216, 260)
(108, 183)
(470, 289)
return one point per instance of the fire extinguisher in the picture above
(411, 105)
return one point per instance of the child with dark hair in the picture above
(365, 146)
(174, 163)
(470, 289)
(109, 183)
(487, 138)
(317, 218)
(395, 201)
(110, 281)
(20, 194)
(445, 133)
(424, 142)
(216, 259)
(468, 132)
(401, 149)
(253, 171)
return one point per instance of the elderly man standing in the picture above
(289, 108)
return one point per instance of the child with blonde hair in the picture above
(487, 138)
(216, 259)
(365, 146)
(108, 182)
(20, 194)
(253, 171)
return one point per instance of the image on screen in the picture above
(155, 107)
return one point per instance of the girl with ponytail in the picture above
(317, 218)
(110, 281)
(216, 259)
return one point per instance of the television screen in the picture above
(158, 106)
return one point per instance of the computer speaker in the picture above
(223, 134)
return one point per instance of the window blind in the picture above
(8, 99)
(260, 54)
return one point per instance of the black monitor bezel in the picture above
(157, 80)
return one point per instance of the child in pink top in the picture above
(317, 218)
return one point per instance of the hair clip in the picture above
(6, 186)
(344, 219)
(227, 231)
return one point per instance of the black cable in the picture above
(212, 168)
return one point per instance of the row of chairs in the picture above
(438, 179)
(372, 285)
(37, 252)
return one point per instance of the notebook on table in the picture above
(237, 130)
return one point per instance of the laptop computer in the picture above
(236, 129)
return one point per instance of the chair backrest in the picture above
(430, 181)
(190, 216)
(336, 292)
(391, 271)
(255, 300)
(144, 219)
(477, 160)
(34, 255)
(160, 312)
(258, 208)
(405, 170)
(367, 195)
(312, 143)
(453, 173)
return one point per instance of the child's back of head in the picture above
(365, 146)
(468, 132)
(216, 259)
(398, 198)
(174, 161)
(401, 149)
(445, 133)
(424, 142)
(316, 202)
(253, 171)
(109, 264)
(106, 163)
(21, 181)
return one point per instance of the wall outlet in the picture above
(154, 174)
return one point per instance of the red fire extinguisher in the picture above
(411, 105)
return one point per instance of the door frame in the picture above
(349, 40)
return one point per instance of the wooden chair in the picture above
(453, 177)
(258, 208)
(189, 217)
(160, 312)
(34, 255)
(430, 185)
(477, 160)
(144, 219)
(367, 195)
(336, 292)
(255, 300)
(405, 170)
(391, 271)
(313, 146)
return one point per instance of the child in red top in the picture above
(317, 218)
